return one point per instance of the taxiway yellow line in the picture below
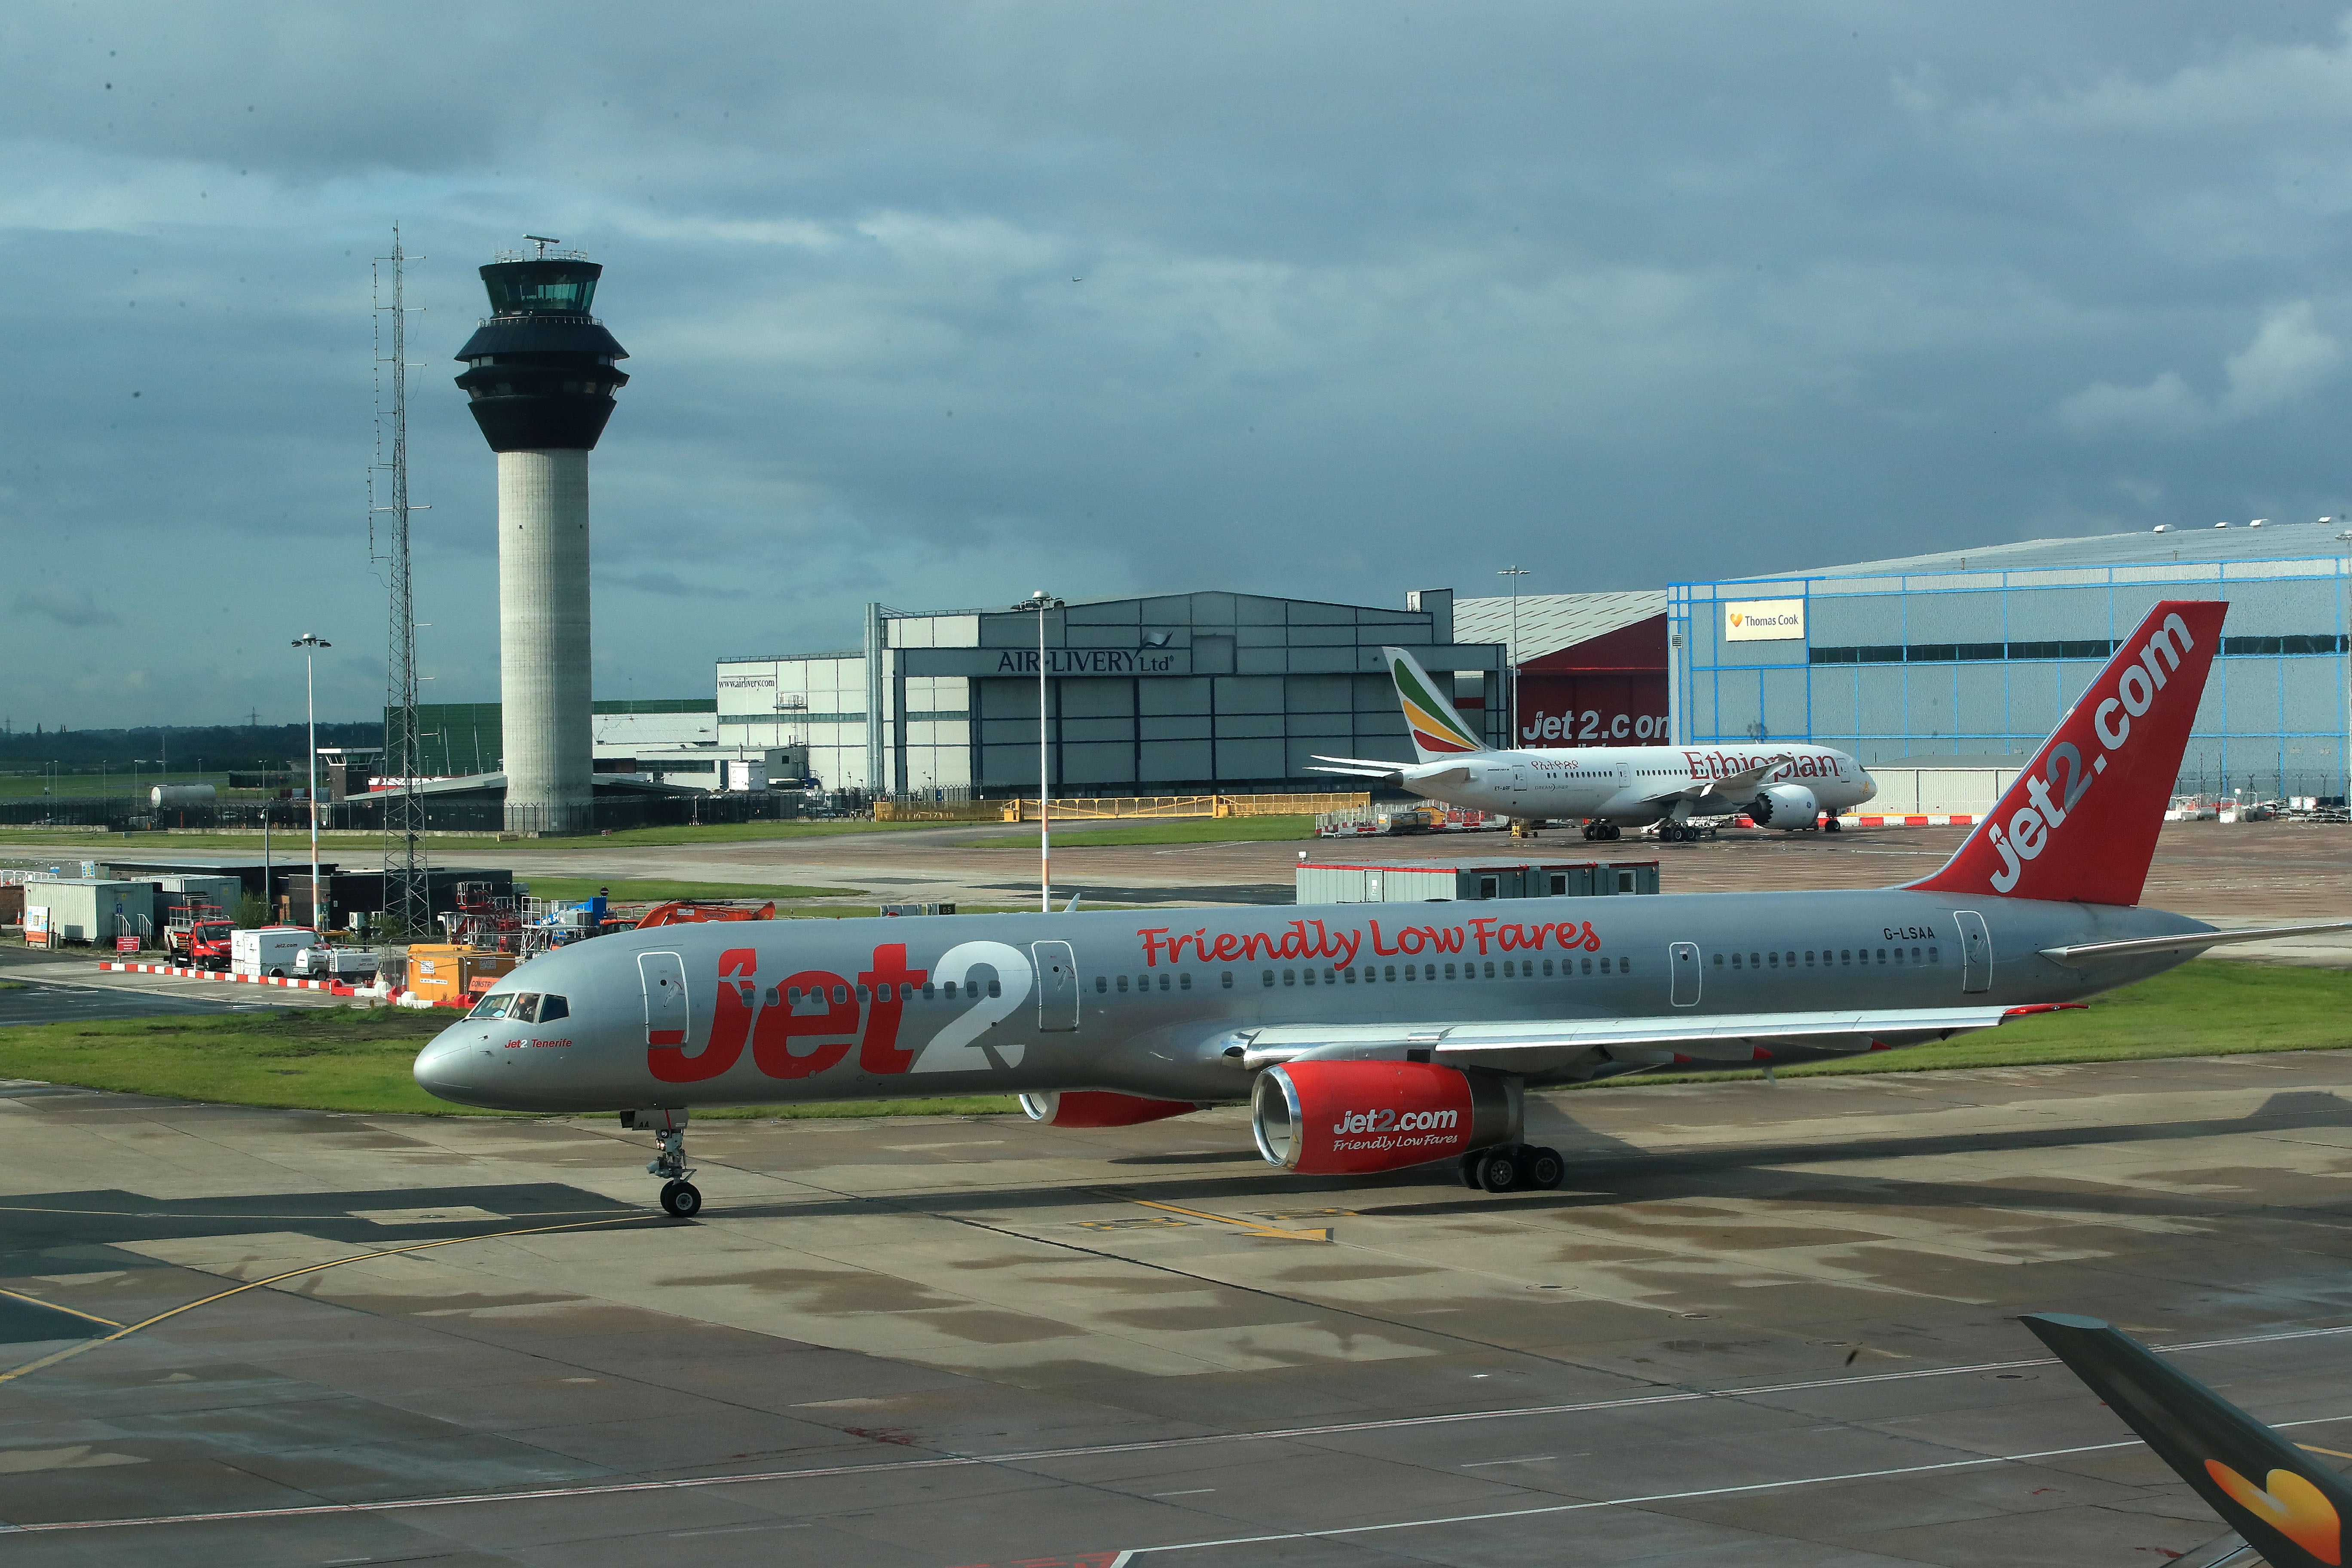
(126, 1330)
(52, 1305)
(1247, 1226)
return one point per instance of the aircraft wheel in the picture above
(1613, 832)
(1470, 1163)
(1544, 1168)
(1832, 826)
(682, 1199)
(1498, 1171)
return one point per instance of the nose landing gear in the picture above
(680, 1195)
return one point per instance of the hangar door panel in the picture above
(663, 977)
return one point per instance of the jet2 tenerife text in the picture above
(1611, 788)
(1370, 1038)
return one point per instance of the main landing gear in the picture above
(680, 1195)
(1680, 833)
(1601, 830)
(1832, 826)
(1510, 1167)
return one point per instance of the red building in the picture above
(1592, 667)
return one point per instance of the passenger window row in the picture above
(903, 992)
(1510, 969)
(1843, 958)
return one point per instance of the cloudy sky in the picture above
(935, 304)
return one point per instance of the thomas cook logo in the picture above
(1737, 618)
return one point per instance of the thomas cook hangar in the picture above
(1975, 654)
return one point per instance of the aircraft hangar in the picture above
(1976, 653)
(1175, 693)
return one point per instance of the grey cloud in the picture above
(933, 306)
(66, 607)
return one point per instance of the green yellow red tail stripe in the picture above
(1436, 729)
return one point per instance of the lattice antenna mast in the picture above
(407, 889)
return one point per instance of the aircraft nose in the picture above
(439, 1069)
(1869, 786)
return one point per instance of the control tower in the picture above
(541, 379)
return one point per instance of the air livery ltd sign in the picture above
(1765, 620)
(987, 661)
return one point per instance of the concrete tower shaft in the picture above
(543, 676)
(540, 382)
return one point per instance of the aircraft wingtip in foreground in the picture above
(1370, 1038)
(2281, 1505)
(1790, 786)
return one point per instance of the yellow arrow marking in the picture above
(1246, 1226)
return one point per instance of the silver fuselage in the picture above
(1160, 1003)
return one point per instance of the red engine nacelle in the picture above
(1325, 1118)
(1099, 1108)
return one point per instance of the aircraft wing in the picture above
(2281, 1501)
(1523, 1046)
(1731, 787)
(2085, 952)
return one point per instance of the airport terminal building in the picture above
(1976, 653)
(1178, 693)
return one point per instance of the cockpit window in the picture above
(526, 1009)
(494, 1005)
(551, 1007)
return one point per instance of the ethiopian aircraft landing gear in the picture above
(680, 1195)
(1510, 1167)
(1601, 830)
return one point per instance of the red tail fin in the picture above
(2080, 825)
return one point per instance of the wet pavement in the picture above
(1758, 1324)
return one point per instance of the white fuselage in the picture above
(1633, 785)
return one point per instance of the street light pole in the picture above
(1512, 701)
(1040, 602)
(310, 643)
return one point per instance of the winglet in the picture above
(2288, 1508)
(2079, 825)
(1438, 730)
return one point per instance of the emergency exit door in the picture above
(1058, 986)
(1975, 952)
(664, 977)
(1682, 960)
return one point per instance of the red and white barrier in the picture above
(1935, 820)
(290, 984)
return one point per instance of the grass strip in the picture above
(316, 1058)
(2208, 1008)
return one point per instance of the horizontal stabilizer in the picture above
(2189, 941)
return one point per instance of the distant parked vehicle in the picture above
(269, 951)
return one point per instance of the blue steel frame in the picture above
(1717, 688)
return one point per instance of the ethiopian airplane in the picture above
(1370, 1038)
(1609, 787)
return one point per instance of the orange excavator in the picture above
(686, 912)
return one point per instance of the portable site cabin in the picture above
(1471, 881)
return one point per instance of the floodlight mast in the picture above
(311, 643)
(1041, 601)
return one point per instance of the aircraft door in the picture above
(1522, 781)
(1058, 986)
(1683, 960)
(1975, 952)
(664, 977)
